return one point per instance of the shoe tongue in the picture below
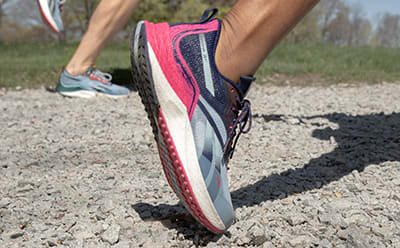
(242, 88)
(89, 70)
(244, 85)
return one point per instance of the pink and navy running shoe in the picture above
(194, 111)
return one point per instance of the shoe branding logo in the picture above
(96, 87)
(210, 86)
(99, 88)
(206, 64)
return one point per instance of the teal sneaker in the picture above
(51, 13)
(91, 84)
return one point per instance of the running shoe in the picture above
(93, 83)
(194, 110)
(51, 13)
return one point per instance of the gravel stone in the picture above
(325, 244)
(357, 237)
(84, 235)
(243, 241)
(320, 168)
(16, 235)
(123, 244)
(51, 243)
(296, 219)
(4, 202)
(108, 206)
(111, 235)
(343, 234)
(299, 241)
(268, 244)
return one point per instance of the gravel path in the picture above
(320, 168)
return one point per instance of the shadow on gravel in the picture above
(178, 218)
(122, 77)
(362, 140)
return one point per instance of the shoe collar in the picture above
(245, 81)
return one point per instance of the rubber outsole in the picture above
(172, 165)
(141, 74)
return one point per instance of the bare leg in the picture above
(110, 16)
(252, 29)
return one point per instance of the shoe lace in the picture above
(243, 120)
(106, 77)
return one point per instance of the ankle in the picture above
(76, 70)
(226, 53)
(224, 66)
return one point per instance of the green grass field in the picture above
(32, 65)
(329, 64)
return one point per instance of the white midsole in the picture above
(45, 8)
(89, 94)
(175, 114)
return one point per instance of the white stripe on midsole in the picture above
(89, 94)
(79, 93)
(175, 114)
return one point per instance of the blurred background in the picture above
(340, 41)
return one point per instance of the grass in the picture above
(32, 65)
(330, 64)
